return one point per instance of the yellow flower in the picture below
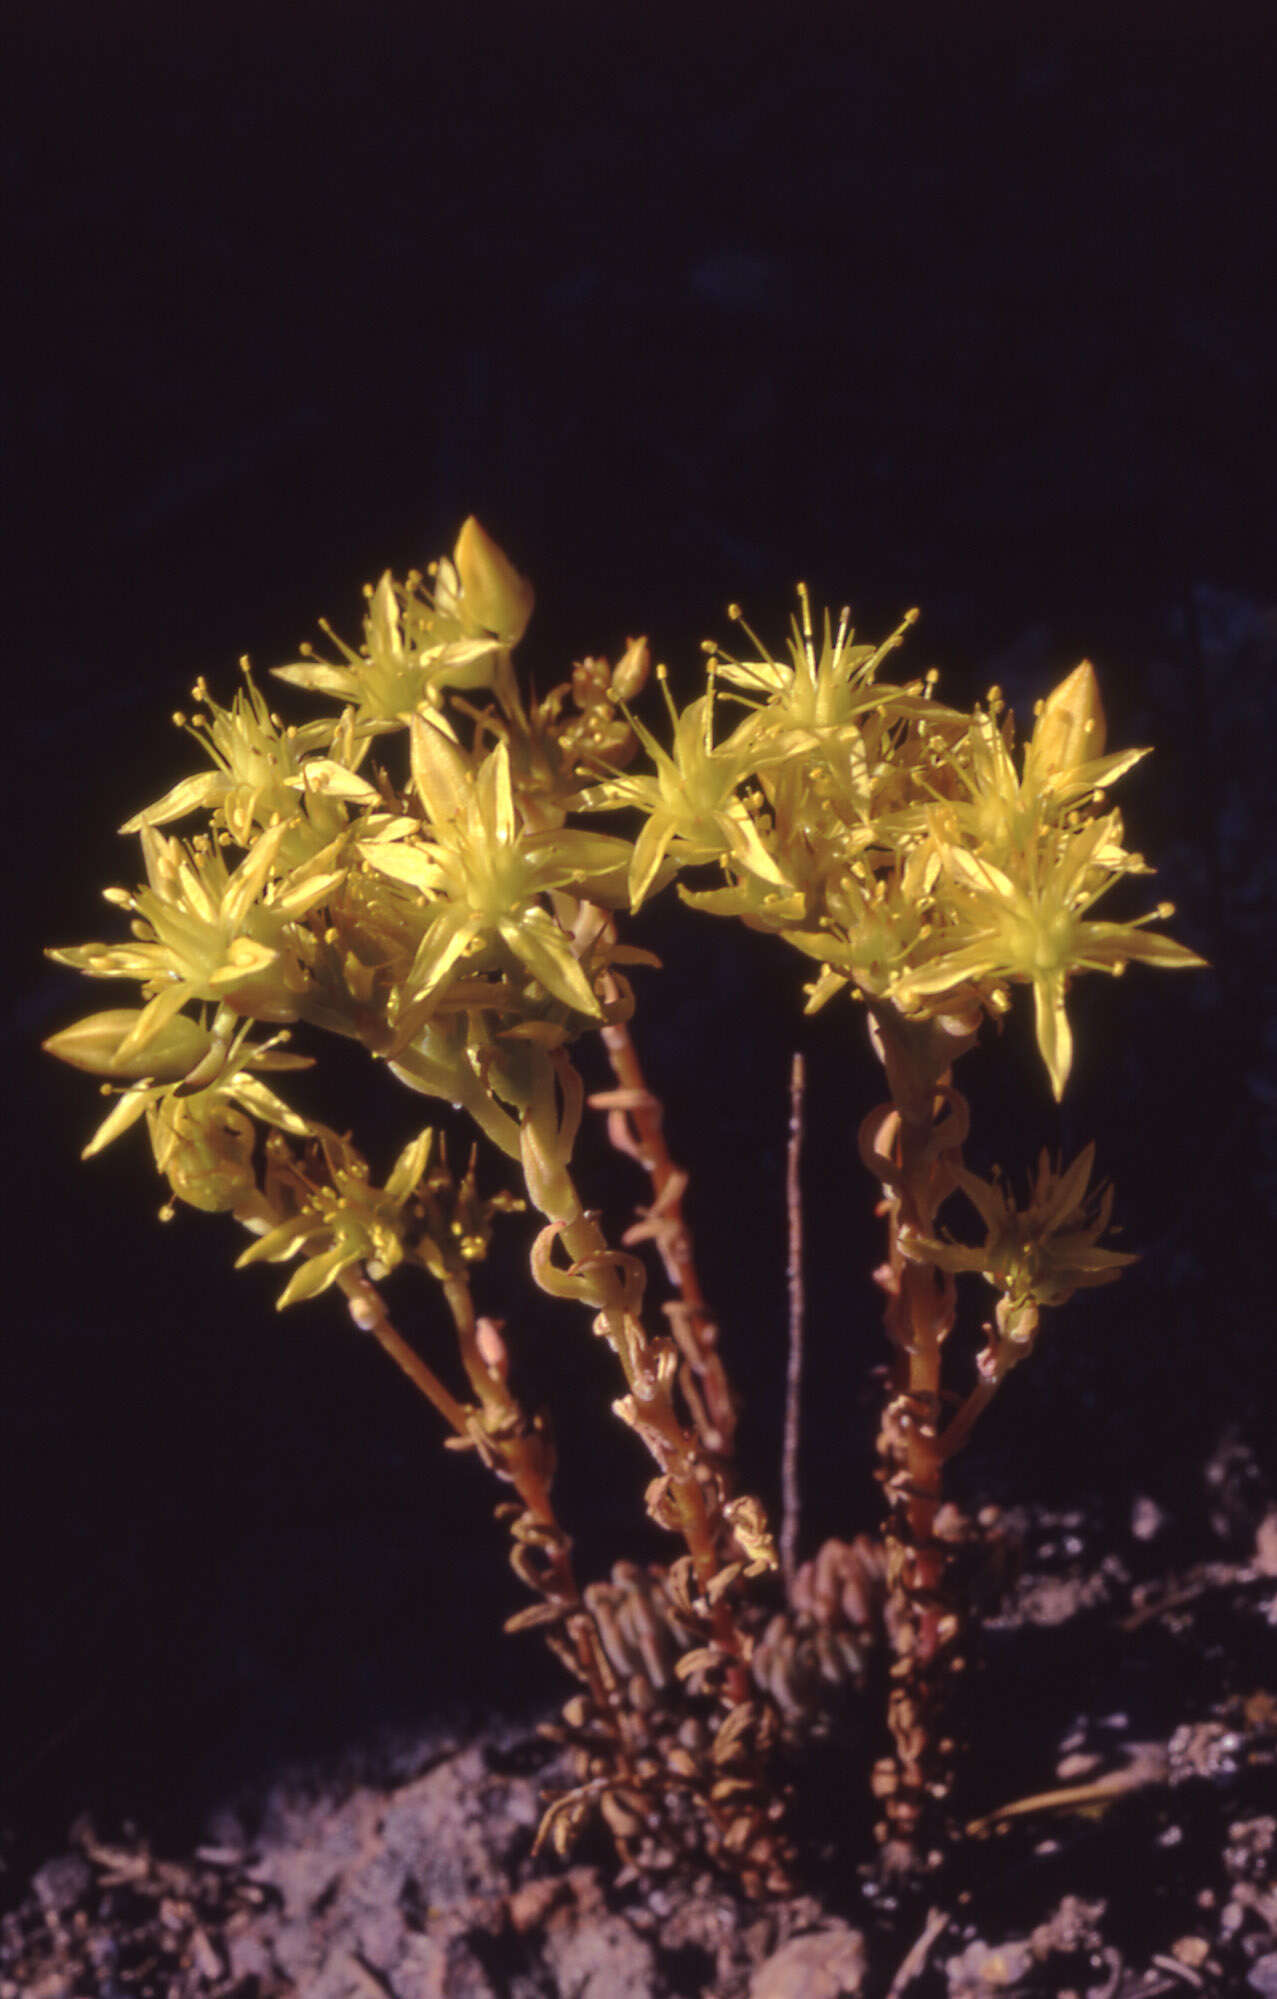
(415, 645)
(482, 875)
(875, 924)
(821, 695)
(343, 1220)
(694, 812)
(254, 758)
(1039, 1254)
(205, 932)
(1035, 929)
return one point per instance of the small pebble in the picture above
(62, 1882)
(1262, 1976)
(1147, 1518)
(1192, 1951)
(826, 1964)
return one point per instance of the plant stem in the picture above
(368, 1310)
(514, 1450)
(959, 1427)
(633, 1105)
(917, 1138)
(693, 1484)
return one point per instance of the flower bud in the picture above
(204, 1149)
(168, 1056)
(494, 597)
(632, 669)
(492, 1348)
(1070, 727)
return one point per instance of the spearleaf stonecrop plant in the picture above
(423, 873)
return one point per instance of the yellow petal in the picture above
(124, 1112)
(649, 852)
(306, 894)
(190, 794)
(535, 939)
(156, 1015)
(313, 1277)
(332, 780)
(417, 865)
(264, 1104)
(439, 950)
(320, 679)
(439, 768)
(409, 1167)
(1055, 1038)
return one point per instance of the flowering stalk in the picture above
(910, 1144)
(636, 1126)
(688, 1494)
(514, 1447)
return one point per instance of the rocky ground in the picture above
(1121, 1819)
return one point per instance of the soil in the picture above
(1120, 1830)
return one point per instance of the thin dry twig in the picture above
(915, 1958)
(1147, 1765)
(790, 1500)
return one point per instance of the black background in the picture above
(952, 314)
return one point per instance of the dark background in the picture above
(956, 315)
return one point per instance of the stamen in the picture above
(889, 645)
(737, 616)
(663, 677)
(808, 648)
(844, 632)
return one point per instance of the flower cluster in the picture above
(896, 841)
(421, 873)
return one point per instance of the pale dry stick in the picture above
(636, 1126)
(914, 1960)
(1148, 1764)
(790, 1501)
